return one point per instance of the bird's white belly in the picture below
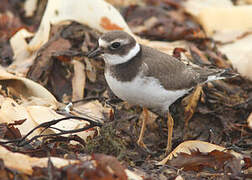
(144, 91)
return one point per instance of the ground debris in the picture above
(220, 114)
(53, 65)
(155, 22)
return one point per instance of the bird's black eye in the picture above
(115, 45)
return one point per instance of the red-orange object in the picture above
(106, 24)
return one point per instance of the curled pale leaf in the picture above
(43, 114)
(25, 88)
(22, 54)
(24, 163)
(10, 112)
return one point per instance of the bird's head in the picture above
(116, 47)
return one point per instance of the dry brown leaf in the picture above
(78, 81)
(198, 55)
(9, 131)
(43, 62)
(201, 146)
(99, 167)
(216, 160)
(106, 167)
(10, 22)
(157, 23)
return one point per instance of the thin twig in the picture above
(46, 125)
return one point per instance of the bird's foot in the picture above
(168, 150)
(141, 144)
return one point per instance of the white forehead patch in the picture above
(114, 59)
(103, 43)
(122, 41)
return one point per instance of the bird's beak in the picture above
(97, 52)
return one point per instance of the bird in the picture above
(144, 76)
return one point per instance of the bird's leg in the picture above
(192, 104)
(140, 139)
(170, 130)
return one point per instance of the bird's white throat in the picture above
(114, 59)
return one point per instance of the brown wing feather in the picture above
(172, 73)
